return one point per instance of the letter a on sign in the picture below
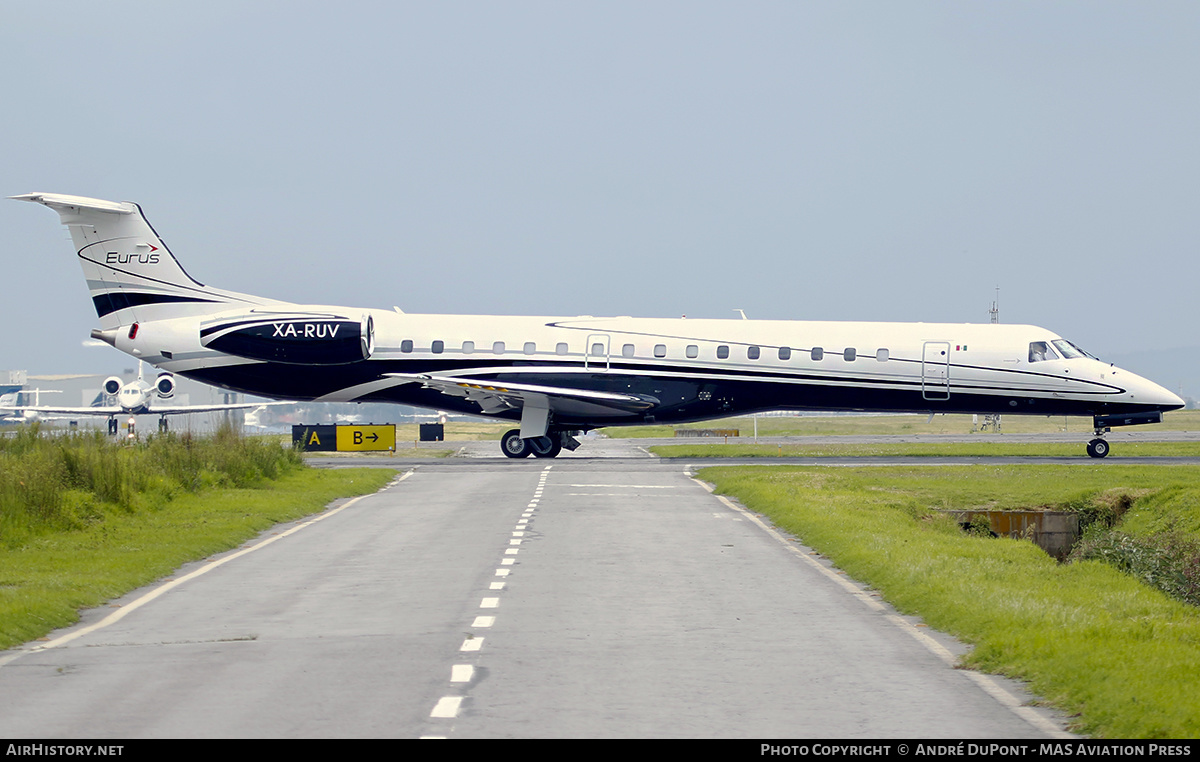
(314, 439)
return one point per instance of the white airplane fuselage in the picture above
(673, 363)
(559, 374)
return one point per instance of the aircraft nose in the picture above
(1174, 400)
(1163, 398)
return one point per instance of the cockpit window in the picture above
(1040, 350)
(1069, 350)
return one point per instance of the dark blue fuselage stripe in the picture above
(120, 300)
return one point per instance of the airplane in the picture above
(558, 376)
(138, 397)
(12, 400)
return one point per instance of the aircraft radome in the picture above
(555, 376)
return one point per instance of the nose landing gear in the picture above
(1098, 447)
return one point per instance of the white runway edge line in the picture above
(448, 707)
(122, 612)
(985, 682)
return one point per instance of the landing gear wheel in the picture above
(548, 446)
(1097, 448)
(513, 446)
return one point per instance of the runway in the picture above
(599, 595)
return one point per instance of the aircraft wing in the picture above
(182, 409)
(116, 410)
(110, 410)
(493, 397)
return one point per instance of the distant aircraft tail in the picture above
(131, 274)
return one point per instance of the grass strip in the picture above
(923, 449)
(1121, 657)
(953, 423)
(48, 579)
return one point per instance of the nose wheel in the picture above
(1097, 448)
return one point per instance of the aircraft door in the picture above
(935, 370)
(595, 356)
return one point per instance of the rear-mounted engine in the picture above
(297, 339)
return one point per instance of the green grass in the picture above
(1119, 655)
(84, 520)
(841, 425)
(717, 449)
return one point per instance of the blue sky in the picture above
(807, 160)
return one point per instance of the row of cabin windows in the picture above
(660, 350)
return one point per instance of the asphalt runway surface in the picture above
(602, 594)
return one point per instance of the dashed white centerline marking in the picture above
(489, 603)
(507, 561)
(484, 621)
(472, 644)
(496, 586)
(461, 673)
(447, 706)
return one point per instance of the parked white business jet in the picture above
(558, 375)
(138, 397)
(22, 413)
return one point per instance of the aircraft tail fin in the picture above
(131, 274)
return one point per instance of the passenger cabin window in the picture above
(437, 347)
(722, 352)
(498, 348)
(850, 354)
(560, 348)
(406, 345)
(1040, 350)
(818, 353)
(597, 350)
(752, 353)
(468, 347)
(785, 353)
(660, 350)
(627, 350)
(881, 355)
(692, 350)
(530, 347)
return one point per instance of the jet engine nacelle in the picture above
(298, 339)
(112, 385)
(165, 386)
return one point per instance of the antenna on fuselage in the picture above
(992, 420)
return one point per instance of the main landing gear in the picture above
(548, 446)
